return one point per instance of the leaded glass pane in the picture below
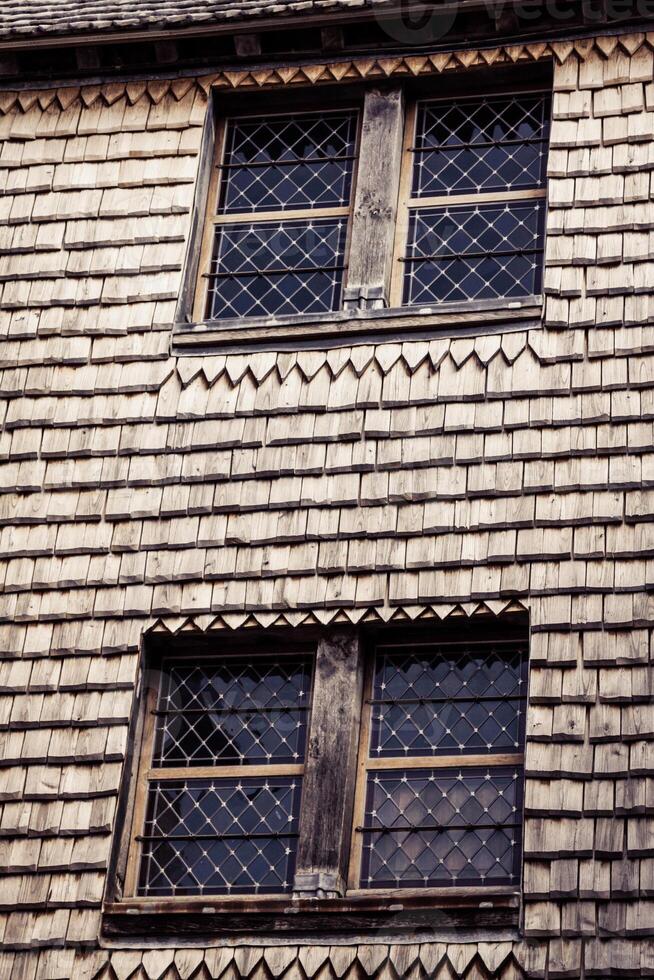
(497, 144)
(445, 700)
(220, 836)
(233, 712)
(275, 164)
(484, 251)
(435, 827)
(275, 268)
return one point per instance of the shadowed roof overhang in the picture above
(39, 23)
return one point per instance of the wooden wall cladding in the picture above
(140, 491)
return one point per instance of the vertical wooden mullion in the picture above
(330, 768)
(375, 199)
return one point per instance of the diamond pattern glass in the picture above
(220, 836)
(279, 163)
(464, 252)
(479, 146)
(448, 700)
(430, 828)
(276, 268)
(267, 266)
(233, 712)
(489, 249)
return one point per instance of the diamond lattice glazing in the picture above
(488, 251)
(277, 268)
(442, 827)
(275, 164)
(233, 712)
(479, 146)
(220, 836)
(437, 700)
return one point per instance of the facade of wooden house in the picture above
(326, 491)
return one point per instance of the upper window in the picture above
(280, 231)
(249, 779)
(300, 204)
(473, 225)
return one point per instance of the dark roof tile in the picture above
(34, 17)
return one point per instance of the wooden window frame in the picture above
(366, 763)
(380, 204)
(407, 203)
(325, 899)
(148, 773)
(213, 219)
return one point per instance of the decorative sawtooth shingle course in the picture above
(145, 492)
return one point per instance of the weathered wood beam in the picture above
(330, 769)
(375, 204)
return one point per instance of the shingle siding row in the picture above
(140, 491)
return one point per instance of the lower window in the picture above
(443, 734)
(217, 811)
(370, 762)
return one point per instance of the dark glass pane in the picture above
(481, 146)
(277, 268)
(442, 827)
(464, 252)
(220, 836)
(303, 161)
(448, 699)
(233, 712)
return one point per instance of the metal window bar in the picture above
(370, 829)
(294, 162)
(235, 711)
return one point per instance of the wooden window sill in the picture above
(358, 326)
(489, 909)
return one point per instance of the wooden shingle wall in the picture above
(140, 491)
